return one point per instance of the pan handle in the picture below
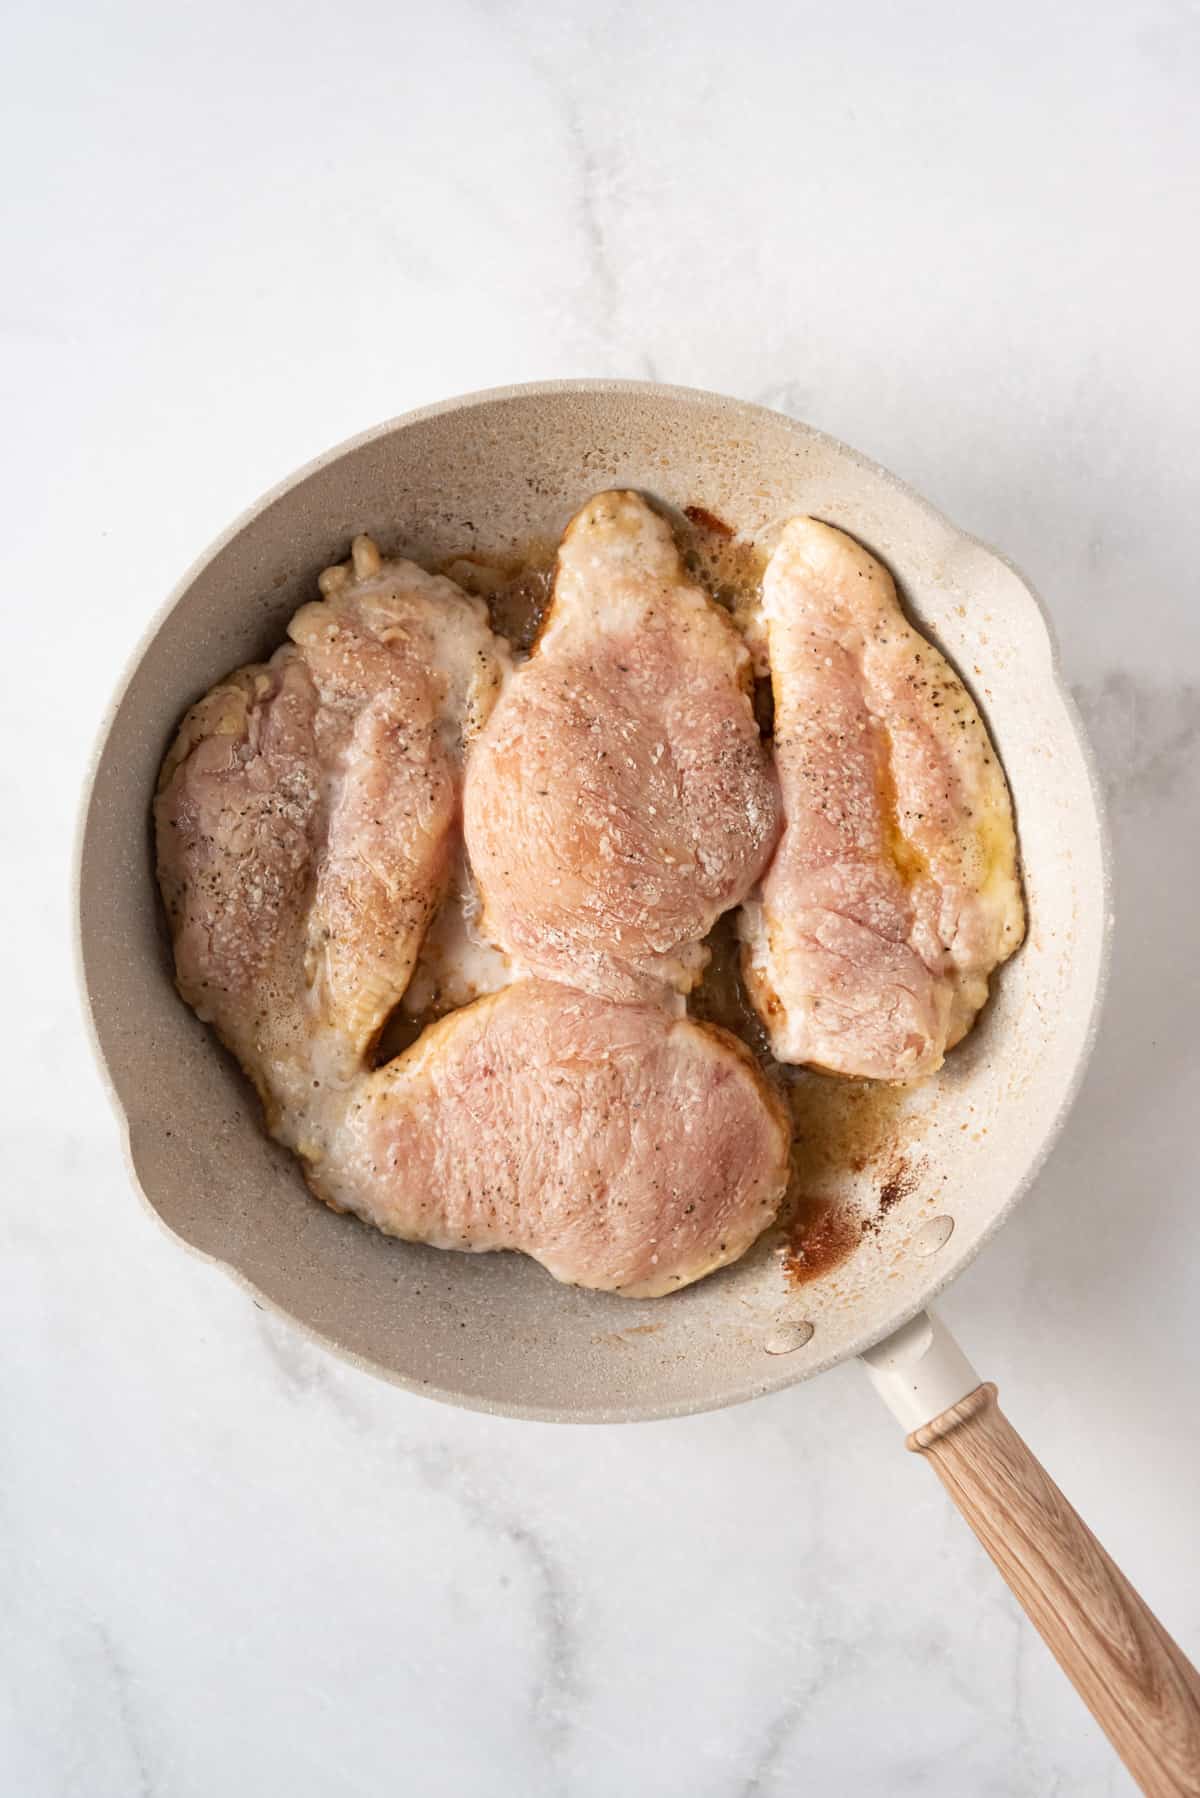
(1137, 1683)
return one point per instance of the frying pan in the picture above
(491, 473)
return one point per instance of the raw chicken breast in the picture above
(624, 1148)
(307, 819)
(620, 797)
(894, 890)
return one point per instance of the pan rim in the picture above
(782, 1375)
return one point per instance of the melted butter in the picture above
(720, 996)
(732, 569)
(517, 589)
(904, 855)
(995, 844)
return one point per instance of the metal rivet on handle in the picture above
(933, 1235)
(786, 1337)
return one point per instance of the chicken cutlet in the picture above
(307, 818)
(894, 891)
(620, 797)
(624, 1147)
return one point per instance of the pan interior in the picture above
(941, 1164)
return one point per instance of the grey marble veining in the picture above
(229, 1563)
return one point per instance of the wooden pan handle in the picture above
(1137, 1683)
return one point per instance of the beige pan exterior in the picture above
(494, 1332)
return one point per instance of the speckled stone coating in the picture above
(490, 472)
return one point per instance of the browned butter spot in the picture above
(705, 520)
(900, 1180)
(822, 1234)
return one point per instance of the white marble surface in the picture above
(960, 238)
